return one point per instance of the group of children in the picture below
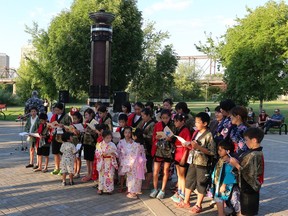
(223, 157)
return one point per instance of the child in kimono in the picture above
(106, 153)
(122, 121)
(223, 179)
(68, 150)
(134, 179)
(121, 147)
(200, 158)
(251, 171)
(131, 158)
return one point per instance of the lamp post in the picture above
(101, 40)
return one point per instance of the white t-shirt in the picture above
(32, 123)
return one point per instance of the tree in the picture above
(66, 55)
(255, 55)
(186, 81)
(155, 75)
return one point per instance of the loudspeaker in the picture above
(64, 96)
(119, 98)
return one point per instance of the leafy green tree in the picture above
(63, 51)
(186, 81)
(155, 76)
(255, 54)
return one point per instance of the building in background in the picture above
(27, 51)
(4, 61)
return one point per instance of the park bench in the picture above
(2, 107)
(280, 126)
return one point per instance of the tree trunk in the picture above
(260, 105)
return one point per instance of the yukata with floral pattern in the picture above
(106, 165)
(226, 128)
(236, 135)
(132, 164)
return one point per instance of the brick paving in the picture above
(23, 192)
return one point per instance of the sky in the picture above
(185, 20)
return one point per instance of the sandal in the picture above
(76, 176)
(86, 179)
(182, 205)
(37, 170)
(45, 170)
(132, 196)
(195, 209)
(99, 192)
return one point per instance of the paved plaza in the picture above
(23, 192)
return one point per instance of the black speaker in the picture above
(119, 98)
(64, 96)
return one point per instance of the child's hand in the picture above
(222, 188)
(158, 137)
(194, 144)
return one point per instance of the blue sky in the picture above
(185, 20)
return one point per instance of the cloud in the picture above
(168, 5)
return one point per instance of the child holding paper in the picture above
(77, 119)
(31, 126)
(181, 154)
(200, 158)
(43, 143)
(162, 152)
(106, 152)
(68, 150)
(105, 117)
(89, 141)
(251, 171)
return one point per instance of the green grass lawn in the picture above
(13, 112)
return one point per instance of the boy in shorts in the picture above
(202, 151)
(251, 171)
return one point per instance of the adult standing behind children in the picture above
(31, 126)
(34, 101)
(62, 119)
(251, 171)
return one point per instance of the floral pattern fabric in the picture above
(67, 161)
(106, 165)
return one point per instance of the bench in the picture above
(2, 107)
(280, 126)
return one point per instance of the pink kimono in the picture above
(132, 164)
(106, 164)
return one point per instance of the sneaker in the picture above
(60, 173)
(161, 195)
(63, 183)
(29, 165)
(153, 193)
(177, 199)
(55, 172)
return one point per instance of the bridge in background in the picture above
(8, 76)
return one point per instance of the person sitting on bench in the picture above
(275, 120)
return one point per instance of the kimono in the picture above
(236, 135)
(159, 126)
(108, 121)
(251, 178)
(180, 150)
(132, 123)
(34, 129)
(106, 165)
(132, 164)
(148, 128)
(223, 174)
